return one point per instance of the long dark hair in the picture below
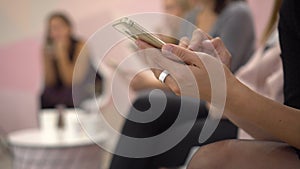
(221, 4)
(63, 17)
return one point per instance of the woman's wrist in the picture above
(236, 91)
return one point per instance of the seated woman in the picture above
(223, 18)
(274, 126)
(61, 51)
(176, 156)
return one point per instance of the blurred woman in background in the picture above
(221, 18)
(61, 50)
(231, 20)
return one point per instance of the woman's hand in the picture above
(200, 68)
(186, 79)
(202, 42)
(60, 48)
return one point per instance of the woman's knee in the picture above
(245, 154)
(213, 156)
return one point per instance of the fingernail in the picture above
(208, 44)
(206, 41)
(167, 48)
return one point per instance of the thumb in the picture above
(183, 54)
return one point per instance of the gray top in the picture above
(234, 26)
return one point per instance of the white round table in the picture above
(33, 149)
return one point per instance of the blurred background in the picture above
(21, 40)
(22, 26)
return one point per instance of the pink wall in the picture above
(20, 73)
(20, 65)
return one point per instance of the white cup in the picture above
(72, 126)
(48, 119)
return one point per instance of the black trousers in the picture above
(177, 155)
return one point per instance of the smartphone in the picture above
(135, 31)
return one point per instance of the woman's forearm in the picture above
(279, 121)
(65, 68)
